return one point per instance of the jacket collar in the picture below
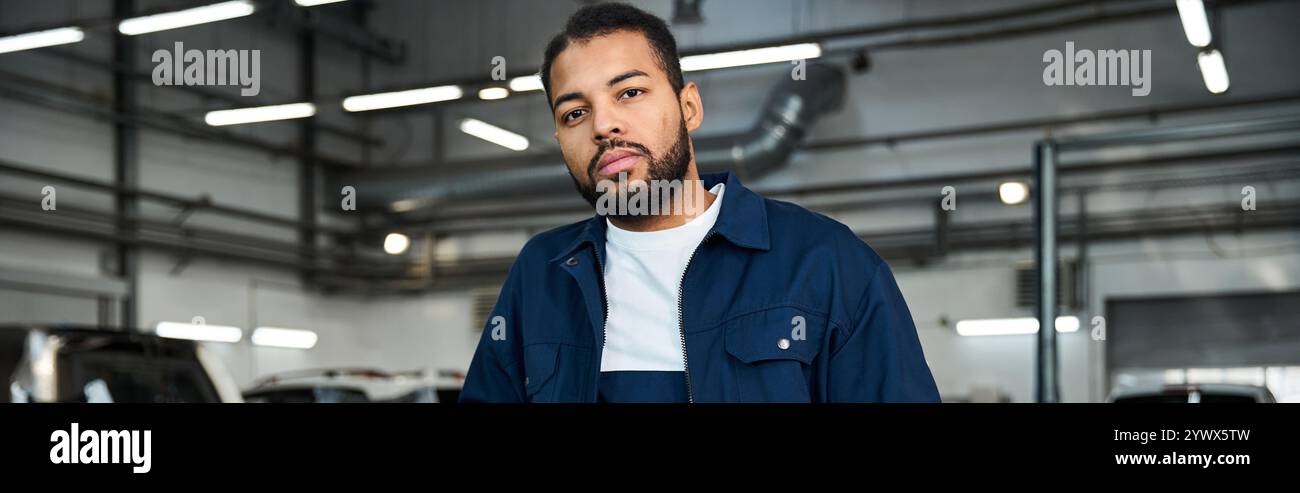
(742, 220)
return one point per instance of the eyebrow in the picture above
(625, 76)
(566, 97)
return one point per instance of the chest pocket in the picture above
(773, 354)
(555, 372)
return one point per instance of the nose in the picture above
(608, 124)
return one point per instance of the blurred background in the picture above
(326, 247)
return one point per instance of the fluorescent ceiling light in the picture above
(1213, 71)
(280, 337)
(41, 39)
(526, 83)
(1067, 324)
(259, 114)
(313, 3)
(184, 18)
(407, 205)
(198, 332)
(494, 134)
(1013, 192)
(804, 51)
(1012, 326)
(383, 100)
(396, 243)
(490, 93)
(1195, 24)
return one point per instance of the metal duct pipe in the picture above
(787, 117)
(782, 124)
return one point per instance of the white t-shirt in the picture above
(642, 273)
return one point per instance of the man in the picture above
(705, 291)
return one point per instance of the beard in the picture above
(672, 165)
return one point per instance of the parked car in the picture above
(333, 385)
(70, 363)
(1193, 393)
(319, 393)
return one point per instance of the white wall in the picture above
(391, 334)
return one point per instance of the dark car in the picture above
(61, 363)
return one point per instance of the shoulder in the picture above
(794, 227)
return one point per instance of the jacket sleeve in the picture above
(494, 373)
(880, 359)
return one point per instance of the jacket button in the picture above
(571, 262)
(525, 381)
(783, 343)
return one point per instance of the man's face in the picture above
(615, 112)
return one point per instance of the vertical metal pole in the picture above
(941, 227)
(126, 156)
(307, 169)
(439, 144)
(1082, 290)
(360, 14)
(1081, 265)
(1045, 256)
(104, 311)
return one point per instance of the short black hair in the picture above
(605, 18)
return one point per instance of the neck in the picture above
(669, 220)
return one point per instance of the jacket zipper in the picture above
(681, 322)
(604, 305)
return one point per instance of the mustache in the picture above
(615, 144)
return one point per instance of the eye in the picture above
(573, 114)
(631, 93)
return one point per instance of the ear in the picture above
(692, 108)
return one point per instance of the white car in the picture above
(1193, 393)
(335, 385)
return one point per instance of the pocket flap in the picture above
(777, 333)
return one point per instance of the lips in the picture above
(616, 160)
